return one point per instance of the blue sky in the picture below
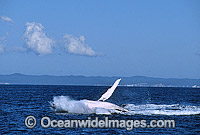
(101, 38)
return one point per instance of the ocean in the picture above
(144, 103)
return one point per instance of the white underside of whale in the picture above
(105, 107)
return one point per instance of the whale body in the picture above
(65, 104)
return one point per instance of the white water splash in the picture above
(67, 105)
(153, 109)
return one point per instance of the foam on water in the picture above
(153, 109)
(65, 104)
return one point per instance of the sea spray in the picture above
(65, 104)
(153, 109)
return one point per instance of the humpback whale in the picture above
(88, 106)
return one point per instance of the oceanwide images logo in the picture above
(46, 122)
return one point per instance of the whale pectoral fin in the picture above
(110, 91)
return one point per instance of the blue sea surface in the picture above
(179, 104)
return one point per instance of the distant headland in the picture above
(137, 81)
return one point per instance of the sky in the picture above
(100, 38)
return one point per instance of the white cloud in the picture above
(36, 39)
(77, 45)
(7, 19)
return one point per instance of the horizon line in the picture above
(100, 76)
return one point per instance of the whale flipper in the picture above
(110, 91)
